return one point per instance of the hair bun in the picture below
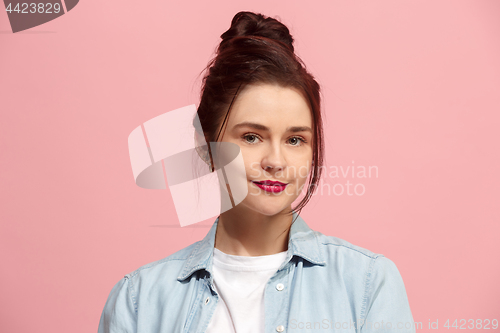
(253, 24)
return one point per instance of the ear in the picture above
(201, 147)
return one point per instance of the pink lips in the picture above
(270, 186)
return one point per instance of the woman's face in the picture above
(272, 125)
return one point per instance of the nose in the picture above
(274, 160)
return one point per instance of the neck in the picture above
(245, 232)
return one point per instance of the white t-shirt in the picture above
(240, 283)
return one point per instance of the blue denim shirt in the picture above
(329, 285)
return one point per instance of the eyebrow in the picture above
(256, 126)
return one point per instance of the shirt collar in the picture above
(302, 242)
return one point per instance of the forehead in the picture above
(272, 105)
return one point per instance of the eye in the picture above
(250, 138)
(296, 141)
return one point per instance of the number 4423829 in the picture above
(463, 324)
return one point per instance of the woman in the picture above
(260, 268)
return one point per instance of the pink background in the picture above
(412, 87)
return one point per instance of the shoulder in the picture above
(336, 245)
(378, 262)
(168, 267)
(353, 258)
(362, 266)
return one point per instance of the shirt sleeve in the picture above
(119, 315)
(386, 303)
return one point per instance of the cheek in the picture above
(302, 175)
(300, 169)
(252, 166)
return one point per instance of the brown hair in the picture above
(257, 49)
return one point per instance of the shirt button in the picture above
(207, 300)
(280, 287)
(280, 328)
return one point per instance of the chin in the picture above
(267, 206)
